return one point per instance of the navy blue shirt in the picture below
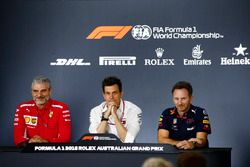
(185, 127)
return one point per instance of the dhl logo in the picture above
(118, 32)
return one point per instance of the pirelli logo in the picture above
(117, 32)
(117, 60)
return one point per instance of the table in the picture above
(103, 154)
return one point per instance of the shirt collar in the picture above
(185, 114)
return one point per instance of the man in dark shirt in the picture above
(185, 126)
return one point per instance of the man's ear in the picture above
(50, 91)
(191, 99)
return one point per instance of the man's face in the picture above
(41, 93)
(182, 100)
(112, 94)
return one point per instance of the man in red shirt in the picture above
(41, 120)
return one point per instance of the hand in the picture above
(37, 139)
(196, 140)
(112, 108)
(186, 145)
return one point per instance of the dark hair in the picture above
(191, 159)
(183, 85)
(112, 80)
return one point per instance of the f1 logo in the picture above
(118, 32)
(88, 138)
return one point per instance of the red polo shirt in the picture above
(52, 123)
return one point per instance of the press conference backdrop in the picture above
(149, 44)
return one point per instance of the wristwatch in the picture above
(104, 119)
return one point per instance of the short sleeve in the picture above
(203, 124)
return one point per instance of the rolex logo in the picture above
(159, 61)
(159, 52)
